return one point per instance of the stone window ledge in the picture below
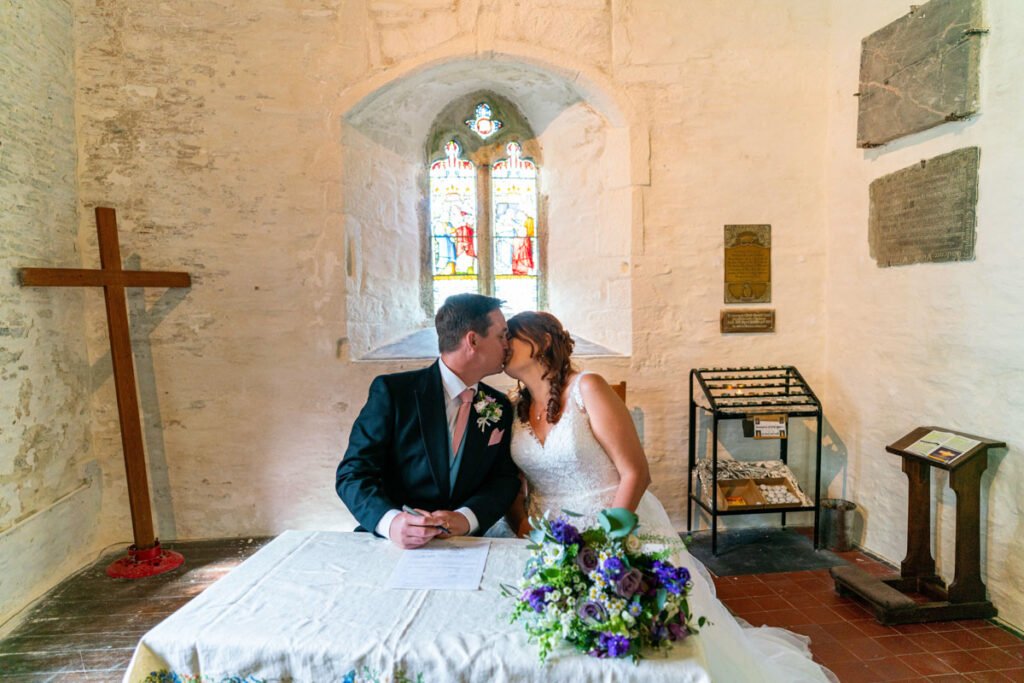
(422, 344)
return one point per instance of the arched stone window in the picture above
(484, 222)
(591, 169)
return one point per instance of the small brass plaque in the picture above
(748, 264)
(753, 320)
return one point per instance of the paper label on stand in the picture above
(770, 426)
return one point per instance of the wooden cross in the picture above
(113, 280)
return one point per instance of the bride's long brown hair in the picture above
(552, 347)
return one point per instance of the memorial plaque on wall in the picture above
(926, 213)
(753, 320)
(919, 71)
(748, 264)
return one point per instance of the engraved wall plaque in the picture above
(926, 213)
(919, 71)
(753, 320)
(748, 264)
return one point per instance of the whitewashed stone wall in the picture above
(50, 487)
(218, 131)
(929, 344)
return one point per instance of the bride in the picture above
(575, 443)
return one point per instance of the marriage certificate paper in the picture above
(456, 564)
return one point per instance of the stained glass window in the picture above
(484, 236)
(514, 226)
(482, 124)
(453, 225)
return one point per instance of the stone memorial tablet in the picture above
(753, 320)
(925, 213)
(748, 264)
(920, 71)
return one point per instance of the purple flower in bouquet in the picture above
(659, 633)
(677, 631)
(613, 567)
(537, 597)
(674, 579)
(565, 533)
(591, 612)
(613, 645)
(629, 583)
(586, 559)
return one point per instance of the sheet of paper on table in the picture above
(456, 564)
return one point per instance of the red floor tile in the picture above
(996, 658)
(927, 666)
(934, 642)
(899, 645)
(870, 627)
(853, 672)
(988, 677)
(744, 604)
(968, 640)
(891, 669)
(846, 638)
(998, 636)
(962, 661)
(821, 615)
(772, 602)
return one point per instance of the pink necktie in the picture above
(461, 419)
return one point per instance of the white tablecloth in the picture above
(311, 606)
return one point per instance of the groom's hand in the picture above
(455, 522)
(410, 531)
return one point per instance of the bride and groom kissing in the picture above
(436, 452)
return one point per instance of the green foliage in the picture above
(617, 522)
(555, 588)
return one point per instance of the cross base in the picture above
(144, 562)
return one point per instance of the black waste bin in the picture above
(837, 523)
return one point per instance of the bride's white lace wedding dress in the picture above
(571, 471)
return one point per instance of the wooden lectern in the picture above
(965, 457)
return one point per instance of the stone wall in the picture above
(50, 487)
(928, 344)
(219, 131)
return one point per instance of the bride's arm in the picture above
(516, 515)
(613, 426)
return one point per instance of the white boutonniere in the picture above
(488, 410)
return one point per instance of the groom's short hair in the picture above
(461, 313)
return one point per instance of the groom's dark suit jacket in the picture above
(398, 454)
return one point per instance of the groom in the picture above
(437, 439)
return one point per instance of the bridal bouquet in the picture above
(597, 590)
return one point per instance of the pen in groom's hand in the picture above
(441, 527)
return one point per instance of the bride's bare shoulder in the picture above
(595, 389)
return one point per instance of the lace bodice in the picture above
(570, 470)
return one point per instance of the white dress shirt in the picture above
(453, 386)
